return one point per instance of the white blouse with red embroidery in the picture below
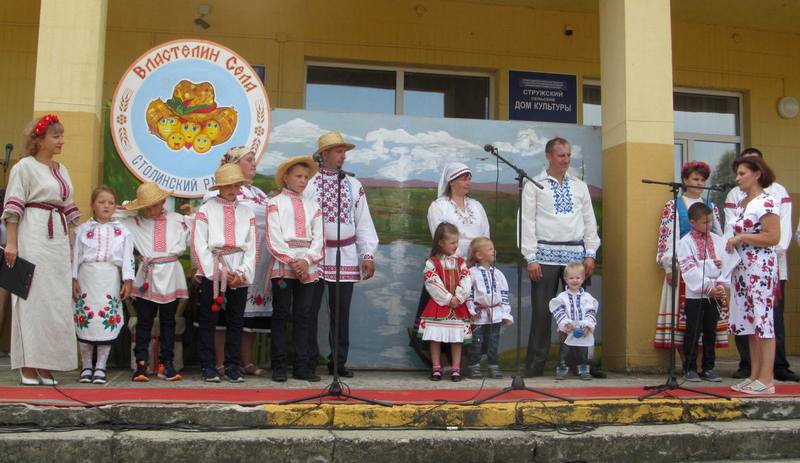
(294, 231)
(103, 242)
(160, 242)
(227, 230)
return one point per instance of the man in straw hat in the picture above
(161, 238)
(357, 242)
(224, 249)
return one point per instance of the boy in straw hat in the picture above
(161, 238)
(357, 241)
(294, 238)
(224, 249)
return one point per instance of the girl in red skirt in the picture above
(446, 318)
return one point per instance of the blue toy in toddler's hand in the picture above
(577, 332)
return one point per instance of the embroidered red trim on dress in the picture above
(160, 234)
(62, 183)
(299, 216)
(229, 224)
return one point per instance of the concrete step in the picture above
(701, 441)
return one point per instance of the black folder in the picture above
(16, 279)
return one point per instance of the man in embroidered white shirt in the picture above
(558, 227)
(357, 242)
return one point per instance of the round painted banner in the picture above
(179, 107)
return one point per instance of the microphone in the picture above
(724, 186)
(9, 148)
(489, 148)
(317, 158)
(346, 173)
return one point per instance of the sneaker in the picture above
(561, 372)
(692, 376)
(99, 376)
(233, 375)
(279, 375)
(306, 376)
(86, 376)
(494, 372)
(210, 375)
(475, 372)
(709, 375)
(140, 375)
(584, 373)
(166, 371)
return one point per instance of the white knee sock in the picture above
(102, 357)
(86, 355)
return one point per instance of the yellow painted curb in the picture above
(505, 414)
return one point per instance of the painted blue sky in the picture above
(406, 148)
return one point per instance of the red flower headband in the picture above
(44, 123)
(691, 164)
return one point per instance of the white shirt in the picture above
(578, 310)
(696, 256)
(436, 287)
(358, 237)
(664, 249)
(489, 296)
(733, 209)
(471, 222)
(103, 242)
(558, 214)
(165, 237)
(294, 231)
(226, 228)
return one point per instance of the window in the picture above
(398, 91)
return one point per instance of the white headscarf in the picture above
(451, 172)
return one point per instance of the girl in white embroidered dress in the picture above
(102, 248)
(38, 208)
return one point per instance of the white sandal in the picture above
(741, 385)
(756, 387)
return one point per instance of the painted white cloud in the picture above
(299, 130)
(270, 161)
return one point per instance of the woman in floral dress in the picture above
(755, 275)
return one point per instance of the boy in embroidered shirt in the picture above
(488, 307)
(161, 238)
(294, 237)
(225, 250)
(575, 313)
(699, 256)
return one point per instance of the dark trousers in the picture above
(485, 338)
(207, 324)
(541, 293)
(701, 318)
(146, 312)
(345, 296)
(579, 355)
(743, 345)
(291, 302)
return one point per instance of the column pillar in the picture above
(636, 79)
(69, 82)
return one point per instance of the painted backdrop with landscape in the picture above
(399, 160)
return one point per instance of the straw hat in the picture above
(147, 195)
(332, 140)
(308, 161)
(228, 174)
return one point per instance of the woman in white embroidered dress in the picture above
(754, 280)
(258, 312)
(38, 208)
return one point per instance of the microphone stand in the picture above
(518, 380)
(336, 389)
(672, 379)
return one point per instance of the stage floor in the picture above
(397, 387)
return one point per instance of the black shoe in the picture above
(166, 371)
(741, 373)
(306, 376)
(596, 372)
(210, 375)
(786, 375)
(140, 375)
(343, 371)
(279, 375)
(533, 372)
(234, 375)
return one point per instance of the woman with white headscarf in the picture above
(455, 206)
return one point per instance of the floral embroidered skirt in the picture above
(98, 312)
(443, 324)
